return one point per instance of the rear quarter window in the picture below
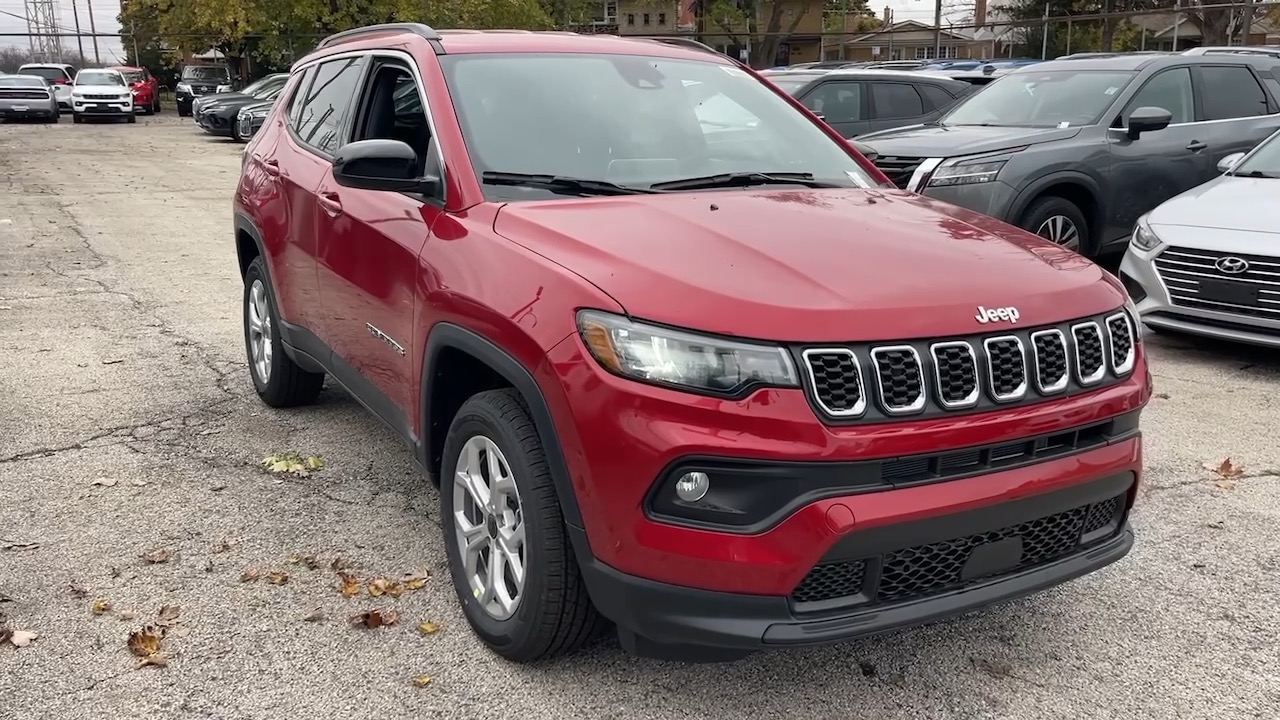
(1231, 91)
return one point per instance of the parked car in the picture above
(100, 92)
(1207, 261)
(145, 87)
(1076, 150)
(60, 74)
(249, 120)
(855, 102)
(216, 114)
(671, 378)
(197, 80)
(27, 96)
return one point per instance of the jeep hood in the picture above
(809, 265)
(943, 141)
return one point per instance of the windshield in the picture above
(1264, 162)
(133, 76)
(1058, 98)
(205, 72)
(47, 73)
(631, 120)
(99, 77)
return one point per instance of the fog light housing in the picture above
(693, 486)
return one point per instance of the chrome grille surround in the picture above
(858, 407)
(971, 398)
(1122, 365)
(1064, 378)
(917, 403)
(1082, 376)
(1021, 389)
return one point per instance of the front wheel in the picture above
(131, 119)
(279, 381)
(510, 557)
(76, 119)
(1059, 221)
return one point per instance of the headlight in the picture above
(1144, 238)
(967, 171)
(223, 88)
(663, 356)
(182, 87)
(1134, 318)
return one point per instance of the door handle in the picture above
(329, 201)
(272, 167)
(1196, 146)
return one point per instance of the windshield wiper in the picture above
(560, 184)
(742, 179)
(1258, 174)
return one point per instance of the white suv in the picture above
(59, 74)
(103, 93)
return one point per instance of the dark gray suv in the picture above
(1077, 149)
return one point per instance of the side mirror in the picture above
(389, 165)
(1228, 163)
(1148, 119)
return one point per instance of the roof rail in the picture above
(686, 42)
(423, 31)
(1086, 55)
(1265, 50)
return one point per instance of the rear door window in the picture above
(837, 102)
(1231, 91)
(896, 100)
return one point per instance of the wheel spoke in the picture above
(491, 578)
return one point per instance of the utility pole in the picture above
(1177, 22)
(133, 33)
(1044, 40)
(1248, 22)
(75, 15)
(937, 29)
(97, 59)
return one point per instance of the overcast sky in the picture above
(13, 20)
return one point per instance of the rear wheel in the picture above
(279, 381)
(1059, 221)
(510, 557)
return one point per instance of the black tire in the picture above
(184, 113)
(287, 384)
(155, 105)
(131, 119)
(1044, 208)
(555, 615)
(76, 119)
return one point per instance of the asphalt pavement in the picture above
(131, 449)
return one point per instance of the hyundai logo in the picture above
(1232, 265)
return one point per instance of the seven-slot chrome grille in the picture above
(1195, 281)
(946, 375)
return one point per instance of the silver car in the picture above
(1207, 261)
(27, 96)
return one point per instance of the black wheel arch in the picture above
(444, 336)
(1081, 189)
(249, 244)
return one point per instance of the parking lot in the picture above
(131, 472)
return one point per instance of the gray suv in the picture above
(1076, 150)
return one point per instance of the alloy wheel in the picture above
(1061, 230)
(489, 526)
(260, 330)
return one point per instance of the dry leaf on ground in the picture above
(422, 680)
(168, 615)
(428, 627)
(339, 564)
(314, 616)
(146, 641)
(1227, 471)
(375, 618)
(223, 545)
(292, 462)
(414, 581)
(383, 586)
(250, 574)
(278, 577)
(125, 616)
(18, 545)
(349, 585)
(159, 555)
(308, 561)
(100, 606)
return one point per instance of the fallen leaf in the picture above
(18, 545)
(145, 642)
(383, 586)
(1226, 468)
(6, 632)
(314, 462)
(250, 574)
(159, 555)
(349, 584)
(314, 616)
(76, 590)
(115, 572)
(1162, 396)
(157, 660)
(1217, 525)
(22, 638)
(375, 618)
(168, 615)
(126, 616)
(422, 681)
(414, 581)
(100, 606)
(293, 463)
(278, 577)
(105, 482)
(182, 631)
(428, 627)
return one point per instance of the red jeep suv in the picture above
(675, 355)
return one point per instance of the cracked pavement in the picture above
(121, 344)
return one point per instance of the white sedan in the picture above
(1207, 262)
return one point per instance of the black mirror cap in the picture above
(378, 164)
(1148, 119)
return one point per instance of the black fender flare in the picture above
(446, 335)
(244, 225)
(1065, 177)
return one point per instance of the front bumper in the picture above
(1157, 308)
(215, 123)
(913, 573)
(102, 108)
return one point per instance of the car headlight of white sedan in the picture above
(1144, 238)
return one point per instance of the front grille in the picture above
(112, 98)
(245, 128)
(947, 375)
(24, 94)
(898, 169)
(1195, 281)
(933, 568)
